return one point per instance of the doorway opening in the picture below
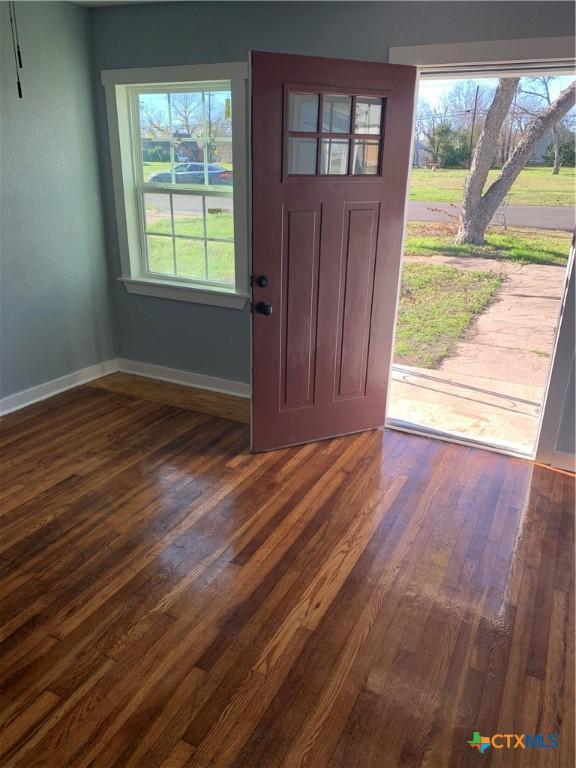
(477, 322)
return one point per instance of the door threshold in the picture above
(449, 437)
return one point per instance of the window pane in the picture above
(160, 254)
(218, 106)
(336, 114)
(188, 215)
(302, 156)
(221, 262)
(220, 155)
(187, 115)
(334, 159)
(303, 112)
(190, 258)
(368, 115)
(220, 218)
(157, 213)
(156, 161)
(365, 161)
(154, 116)
(188, 151)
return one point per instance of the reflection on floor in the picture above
(370, 601)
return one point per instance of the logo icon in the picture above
(481, 743)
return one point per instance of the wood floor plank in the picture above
(170, 600)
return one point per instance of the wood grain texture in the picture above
(169, 599)
(191, 398)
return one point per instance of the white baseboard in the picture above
(50, 388)
(83, 376)
(187, 378)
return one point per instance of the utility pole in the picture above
(473, 124)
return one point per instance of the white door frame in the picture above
(553, 55)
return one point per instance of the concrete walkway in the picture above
(491, 388)
(541, 216)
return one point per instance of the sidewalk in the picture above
(491, 388)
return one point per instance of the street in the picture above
(539, 216)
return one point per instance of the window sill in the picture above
(178, 292)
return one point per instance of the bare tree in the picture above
(187, 113)
(154, 121)
(479, 207)
(539, 88)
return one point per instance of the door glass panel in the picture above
(365, 159)
(303, 112)
(336, 114)
(334, 158)
(301, 156)
(368, 117)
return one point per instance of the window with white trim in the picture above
(179, 166)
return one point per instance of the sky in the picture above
(433, 90)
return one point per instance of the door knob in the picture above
(264, 308)
(263, 281)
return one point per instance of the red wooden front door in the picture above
(331, 146)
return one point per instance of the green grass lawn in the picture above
(527, 246)
(534, 186)
(437, 306)
(191, 260)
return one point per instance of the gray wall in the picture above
(212, 340)
(54, 301)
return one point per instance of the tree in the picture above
(567, 150)
(479, 207)
(539, 88)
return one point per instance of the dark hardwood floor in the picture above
(169, 599)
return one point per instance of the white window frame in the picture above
(120, 85)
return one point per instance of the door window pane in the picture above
(302, 156)
(160, 254)
(336, 114)
(334, 158)
(368, 117)
(303, 112)
(365, 159)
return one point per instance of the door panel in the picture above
(356, 290)
(300, 265)
(330, 157)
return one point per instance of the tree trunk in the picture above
(477, 208)
(472, 225)
(556, 142)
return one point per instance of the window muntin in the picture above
(184, 173)
(331, 134)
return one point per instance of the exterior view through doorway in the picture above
(477, 323)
